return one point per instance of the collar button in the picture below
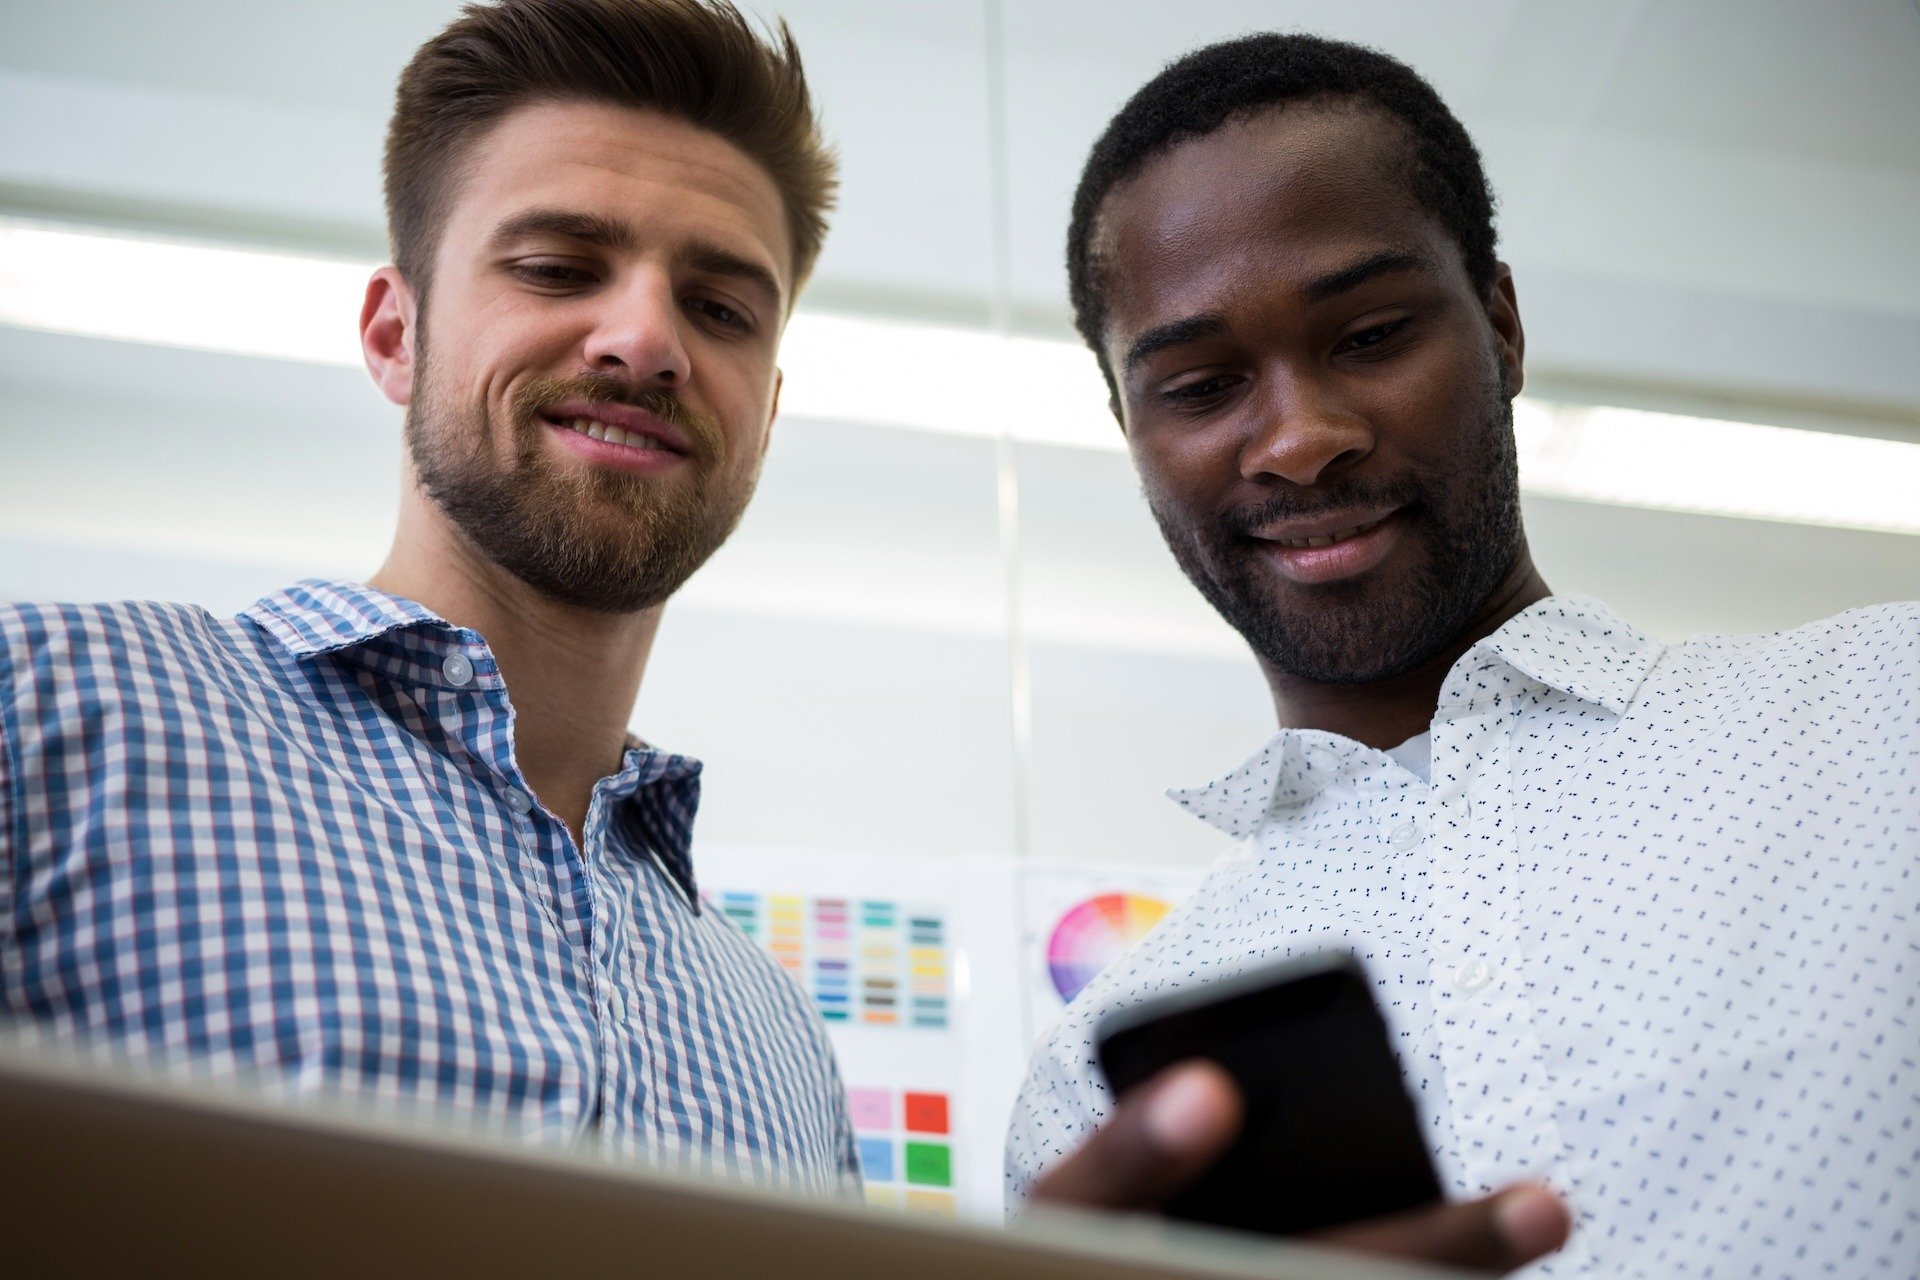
(458, 669)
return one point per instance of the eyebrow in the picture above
(1173, 334)
(714, 260)
(617, 236)
(1349, 278)
(1210, 324)
(589, 228)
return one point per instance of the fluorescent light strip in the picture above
(180, 294)
(963, 381)
(1624, 457)
(932, 378)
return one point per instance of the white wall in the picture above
(1709, 206)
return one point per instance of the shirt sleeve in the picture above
(1063, 1100)
(849, 1183)
(1065, 1097)
(10, 852)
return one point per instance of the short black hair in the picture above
(1235, 79)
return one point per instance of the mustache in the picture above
(1276, 507)
(537, 394)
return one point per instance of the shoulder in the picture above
(95, 652)
(1881, 638)
(755, 980)
(1065, 1095)
(1894, 628)
(87, 629)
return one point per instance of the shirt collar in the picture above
(1571, 643)
(1579, 646)
(317, 616)
(655, 797)
(655, 794)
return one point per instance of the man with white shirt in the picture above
(1644, 919)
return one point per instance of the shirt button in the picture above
(1474, 975)
(519, 801)
(458, 669)
(1404, 836)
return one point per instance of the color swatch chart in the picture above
(864, 961)
(906, 1148)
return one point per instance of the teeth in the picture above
(612, 435)
(1328, 539)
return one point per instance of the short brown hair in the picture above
(697, 60)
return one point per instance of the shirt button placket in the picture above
(1503, 1118)
(1474, 976)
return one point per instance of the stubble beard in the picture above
(594, 539)
(1363, 630)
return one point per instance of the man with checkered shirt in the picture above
(319, 843)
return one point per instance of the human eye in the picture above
(552, 274)
(1375, 339)
(721, 315)
(1199, 393)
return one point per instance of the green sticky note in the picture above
(930, 1164)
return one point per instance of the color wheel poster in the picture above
(1079, 920)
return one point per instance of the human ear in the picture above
(1503, 311)
(388, 319)
(773, 411)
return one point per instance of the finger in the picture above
(1498, 1233)
(1158, 1139)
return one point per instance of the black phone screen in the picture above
(1331, 1133)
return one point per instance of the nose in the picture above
(1306, 435)
(637, 335)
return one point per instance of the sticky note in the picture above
(926, 1113)
(876, 1159)
(930, 1164)
(930, 1202)
(870, 1108)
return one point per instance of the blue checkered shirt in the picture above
(296, 844)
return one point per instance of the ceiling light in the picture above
(1625, 457)
(180, 293)
(928, 377)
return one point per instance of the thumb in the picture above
(1159, 1138)
(1497, 1233)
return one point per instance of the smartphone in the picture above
(1331, 1134)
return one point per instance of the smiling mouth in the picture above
(1328, 540)
(613, 435)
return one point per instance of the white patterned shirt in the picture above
(1652, 932)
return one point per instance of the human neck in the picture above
(1385, 713)
(573, 674)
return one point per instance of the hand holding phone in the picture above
(1168, 1132)
(1330, 1134)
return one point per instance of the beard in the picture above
(595, 539)
(1466, 517)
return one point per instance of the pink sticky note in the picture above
(871, 1109)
